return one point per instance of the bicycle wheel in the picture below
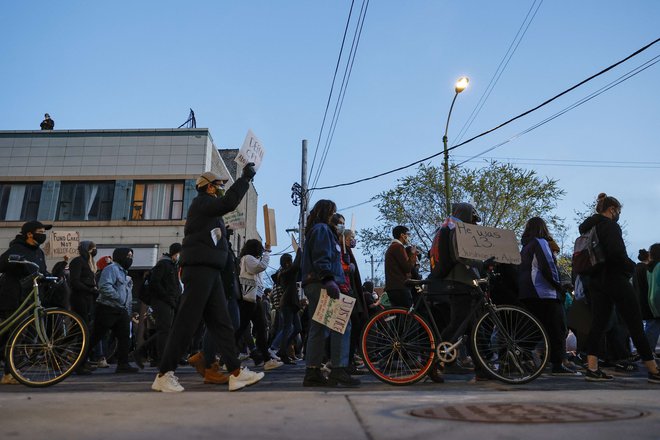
(398, 346)
(510, 344)
(37, 364)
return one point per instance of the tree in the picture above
(504, 195)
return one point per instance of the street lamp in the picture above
(460, 85)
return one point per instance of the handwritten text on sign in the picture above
(64, 243)
(481, 243)
(334, 313)
(251, 151)
(234, 220)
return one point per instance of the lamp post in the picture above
(460, 85)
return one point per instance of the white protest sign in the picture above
(251, 151)
(234, 220)
(294, 243)
(334, 313)
(476, 242)
(64, 243)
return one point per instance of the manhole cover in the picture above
(527, 413)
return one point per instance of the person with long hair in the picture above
(539, 285)
(84, 290)
(254, 259)
(653, 295)
(322, 270)
(610, 286)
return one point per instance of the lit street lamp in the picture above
(460, 85)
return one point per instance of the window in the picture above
(157, 201)
(86, 201)
(19, 201)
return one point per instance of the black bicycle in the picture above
(401, 346)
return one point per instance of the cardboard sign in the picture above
(475, 242)
(234, 220)
(294, 243)
(269, 225)
(64, 243)
(334, 313)
(251, 151)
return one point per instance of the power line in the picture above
(637, 52)
(342, 90)
(499, 71)
(566, 161)
(332, 86)
(584, 100)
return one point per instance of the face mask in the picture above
(353, 243)
(616, 217)
(39, 238)
(340, 229)
(176, 258)
(93, 252)
(126, 263)
(219, 191)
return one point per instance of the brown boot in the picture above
(214, 375)
(197, 361)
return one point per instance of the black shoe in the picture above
(126, 368)
(314, 378)
(339, 377)
(355, 371)
(654, 377)
(285, 359)
(597, 376)
(83, 371)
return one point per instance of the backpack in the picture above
(145, 292)
(587, 253)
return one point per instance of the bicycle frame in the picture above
(31, 302)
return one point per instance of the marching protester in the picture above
(399, 267)
(27, 245)
(322, 270)
(610, 286)
(84, 289)
(203, 258)
(653, 296)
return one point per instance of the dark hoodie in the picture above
(83, 280)
(11, 291)
(617, 262)
(446, 264)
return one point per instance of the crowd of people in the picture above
(203, 305)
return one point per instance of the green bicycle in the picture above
(46, 345)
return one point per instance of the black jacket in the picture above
(11, 291)
(164, 281)
(641, 285)
(204, 215)
(610, 237)
(82, 279)
(288, 279)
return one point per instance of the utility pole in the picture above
(299, 195)
(372, 262)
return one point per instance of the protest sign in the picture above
(334, 313)
(476, 242)
(234, 220)
(64, 243)
(269, 225)
(251, 151)
(294, 243)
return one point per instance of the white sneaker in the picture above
(272, 364)
(245, 378)
(273, 354)
(167, 383)
(102, 363)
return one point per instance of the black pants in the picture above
(115, 319)
(164, 315)
(551, 314)
(253, 312)
(606, 292)
(82, 303)
(203, 297)
(400, 297)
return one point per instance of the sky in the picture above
(268, 66)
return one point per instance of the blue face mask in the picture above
(353, 243)
(340, 229)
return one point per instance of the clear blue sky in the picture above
(267, 66)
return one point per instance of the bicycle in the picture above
(400, 346)
(47, 344)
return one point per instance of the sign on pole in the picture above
(334, 313)
(476, 242)
(64, 243)
(269, 225)
(251, 151)
(234, 220)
